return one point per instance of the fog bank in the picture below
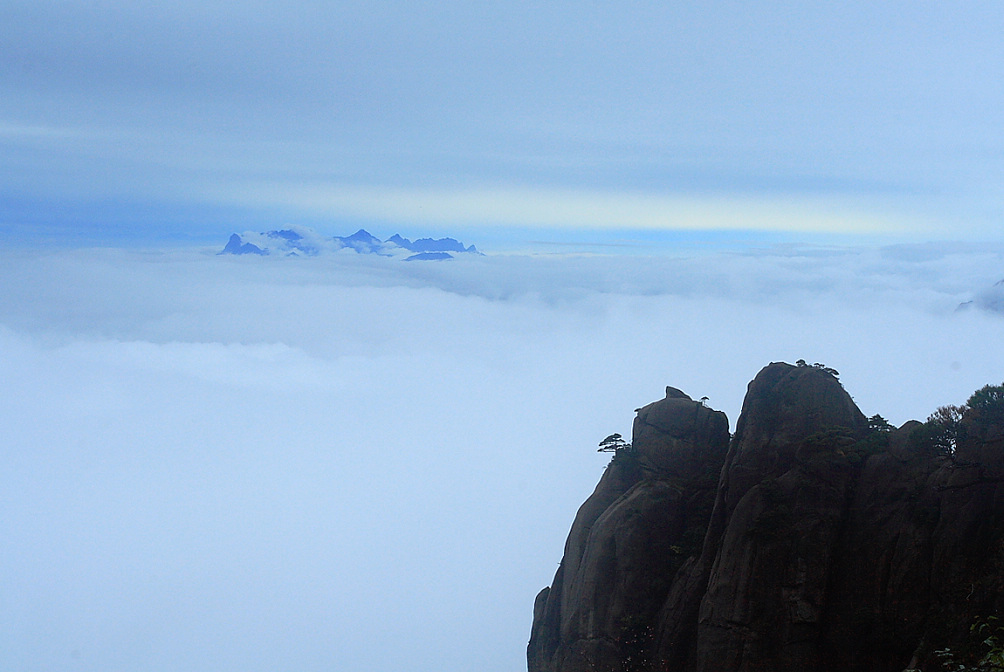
(356, 463)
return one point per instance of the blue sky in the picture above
(124, 121)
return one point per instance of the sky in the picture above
(221, 463)
(131, 122)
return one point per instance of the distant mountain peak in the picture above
(432, 245)
(363, 236)
(297, 241)
(236, 245)
(429, 256)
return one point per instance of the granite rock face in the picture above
(811, 539)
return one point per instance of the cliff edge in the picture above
(813, 538)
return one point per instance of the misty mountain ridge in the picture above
(990, 298)
(303, 241)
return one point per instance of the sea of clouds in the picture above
(355, 463)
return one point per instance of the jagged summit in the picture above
(431, 245)
(303, 241)
(361, 241)
(812, 539)
(236, 245)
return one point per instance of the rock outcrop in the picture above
(811, 539)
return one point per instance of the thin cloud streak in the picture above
(10, 131)
(844, 106)
(564, 208)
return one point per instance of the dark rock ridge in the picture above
(299, 241)
(431, 244)
(236, 245)
(429, 256)
(990, 299)
(811, 539)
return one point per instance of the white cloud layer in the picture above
(353, 463)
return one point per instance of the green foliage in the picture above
(877, 423)
(942, 432)
(829, 438)
(827, 444)
(931, 439)
(984, 652)
(949, 416)
(840, 443)
(945, 429)
(988, 402)
(877, 441)
(822, 367)
(826, 369)
(616, 444)
(948, 419)
(874, 442)
(987, 396)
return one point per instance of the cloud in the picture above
(567, 208)
(10, 131)
(237, 464)
(992, 298)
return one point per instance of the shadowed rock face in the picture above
(646, 517)
(780, 511)
(807, 541)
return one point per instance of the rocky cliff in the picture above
(813, 538)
